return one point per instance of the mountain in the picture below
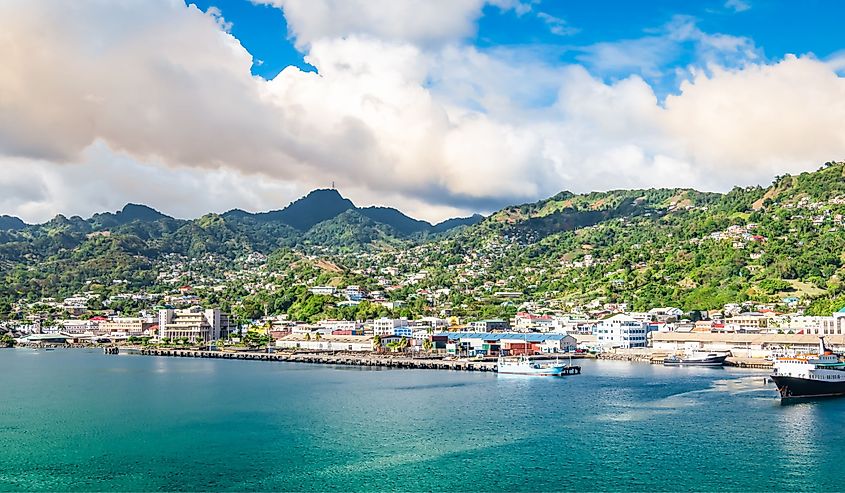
(456, 223)
(316, 207)
(11, 223)
(645, 248)
(129, 213)
(395, 219)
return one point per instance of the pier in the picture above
(345, 359)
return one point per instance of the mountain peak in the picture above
(133, 212)
(11, 223)
(318, 206)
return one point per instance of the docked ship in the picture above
(697, 359)
(806, 376)
(522, 365)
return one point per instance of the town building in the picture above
(136, 327)
(488, 325)
(620, 331)
(383, 327)
(194, 324)
(326, 343)
(506, 343)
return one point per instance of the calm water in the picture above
(81, 420)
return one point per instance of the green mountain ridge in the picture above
(679, 247)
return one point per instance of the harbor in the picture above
(325, 358)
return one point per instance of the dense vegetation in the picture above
(646, 248)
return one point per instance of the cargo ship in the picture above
(808, 376)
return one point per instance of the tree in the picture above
(6, 340)
(427, 345)
(376, 342)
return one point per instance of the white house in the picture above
(620, 331)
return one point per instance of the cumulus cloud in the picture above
(416, 21)
(104, 103)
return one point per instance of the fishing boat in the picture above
(696, 359)
(807, 376)
(522, 365)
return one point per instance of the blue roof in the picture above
(497, 336)
(841, 310)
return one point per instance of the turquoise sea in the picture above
(82, 420)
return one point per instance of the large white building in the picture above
(392, 326)
(193, 324)
(620, 331)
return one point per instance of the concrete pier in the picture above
(346, 359)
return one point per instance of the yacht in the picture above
(697, 359)
(522, 365)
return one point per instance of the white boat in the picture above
(522, 365)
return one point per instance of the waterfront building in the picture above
(193, 324)
(746, 345)
(392, 326)
(620, 331)
(507, 343)
(126, 327)
(326, 343)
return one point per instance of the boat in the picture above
(522, 365)
(808, 376)
(696, 359)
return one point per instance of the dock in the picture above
(322, 358)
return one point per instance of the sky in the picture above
(440, 108)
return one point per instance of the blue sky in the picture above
(775, 27)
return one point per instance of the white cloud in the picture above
(417, 21)
(157, 105)
(556, 25)
(738, 5)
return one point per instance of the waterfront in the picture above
(82, 420)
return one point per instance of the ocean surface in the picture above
(82, 420)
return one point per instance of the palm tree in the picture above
(427, 345)
(317, 336)
(403, 343)
(376, 342)
(307, 336)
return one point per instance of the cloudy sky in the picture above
(437, 107)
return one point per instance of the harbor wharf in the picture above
(324, 358)
(656, 358)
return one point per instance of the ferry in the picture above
(806, 376)
(697, 359)
(522, 365)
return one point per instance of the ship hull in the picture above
(715, 361)
(537, 372)
(803, 388)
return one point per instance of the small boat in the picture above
(810, 376)
(522, 365)
(700, 359)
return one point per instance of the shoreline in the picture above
(371, 360)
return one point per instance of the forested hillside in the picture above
(679, 247)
